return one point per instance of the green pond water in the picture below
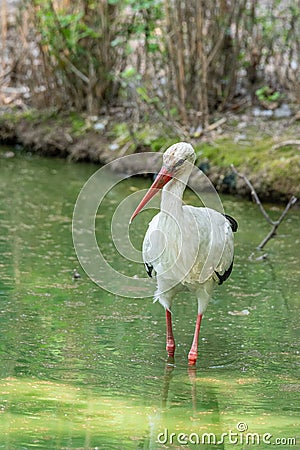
(82, 368)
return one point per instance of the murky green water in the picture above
(84, 369)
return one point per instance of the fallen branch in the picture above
(216, 124)
(275, 223)
(286, 143)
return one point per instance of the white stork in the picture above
(188, 247)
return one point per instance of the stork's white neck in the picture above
(171, 199)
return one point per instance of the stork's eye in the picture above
(179, 162)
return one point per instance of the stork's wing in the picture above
(215, 257)
(226, 273)
(224, 268)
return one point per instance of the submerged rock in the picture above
(9, 154)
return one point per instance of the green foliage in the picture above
(78, 124)
(144, 95)
(267, 94)
(85, 42)
(129, 75)
(92, 51)
(146, 16)
(63, 31)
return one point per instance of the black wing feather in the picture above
(149, 269)
(225, 275)
(232, 221)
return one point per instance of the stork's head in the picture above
(178, 158)
(177, 161)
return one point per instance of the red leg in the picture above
(193, 354)
(170, 338)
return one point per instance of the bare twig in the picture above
(204, 67)
(220, 39)
(254, 194)
(275, 223)
(180, 60)
(74, 69)
(216, 124)
(286, 143)
(3, 32)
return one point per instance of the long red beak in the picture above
(162, 178)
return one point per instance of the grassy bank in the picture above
(265, 150)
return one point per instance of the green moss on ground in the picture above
(275, 173)
(225, 152)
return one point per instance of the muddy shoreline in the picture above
(275, 175)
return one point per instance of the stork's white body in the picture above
(187, 253)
